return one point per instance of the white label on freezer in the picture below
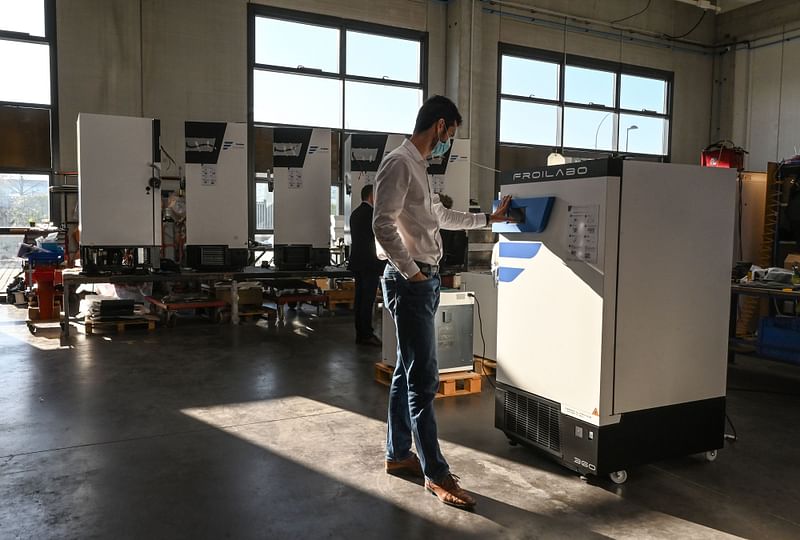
(295, 178)
(580, 415)
(208, 174)
(583, 233)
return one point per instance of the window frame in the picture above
(49, 39)
(618, 68)
(343, 25)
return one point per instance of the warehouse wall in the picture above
(758, 84)
(693, 80)
(181, 60)
(187, 59)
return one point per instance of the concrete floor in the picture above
(206, 431)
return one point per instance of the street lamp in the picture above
(628, 136)
(597, 132)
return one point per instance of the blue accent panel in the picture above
(537, 215)
(520, 250)
(507, 275)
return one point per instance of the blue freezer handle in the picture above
(536, 212)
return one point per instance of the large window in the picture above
(315, 71)
(28, 122)
(27, 110)
(309, 70)
(582, 105)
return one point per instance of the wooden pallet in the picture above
(484, 366)
(255, 313)
(120, 325)
(332, 305)
(459, 383)
(340, 297)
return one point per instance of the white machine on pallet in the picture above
(363, 153)
(450, 174)
(216, 195)
(484, 328)
(119, 193)
(453, 333)
(302, 179)
(613, 307)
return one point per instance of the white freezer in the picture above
(483, 285)
(117, 205)
(615, 316)
(302, 187)
(216, 184)
(453, 333)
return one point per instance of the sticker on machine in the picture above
(295, 178)
(583, 233)
(580, 415)
(208, 174)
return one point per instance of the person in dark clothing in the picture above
(366, 267)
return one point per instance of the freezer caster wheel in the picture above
(512, 442)
(619, 477)
(32, 328)
(711, 455)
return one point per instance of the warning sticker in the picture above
(583, 233)
(580, 415)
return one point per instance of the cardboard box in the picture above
(253, 296)
(791, 258)
(341, 295)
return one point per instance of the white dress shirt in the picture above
(408, 215)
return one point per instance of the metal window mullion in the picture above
(383, 82)
(295, 71)
(342, 72)
(651, 114)
(562, 80)
(522, 99)
(50, 30)
(589, 107)
(251, 127)
(617, 101)
(423, 65)
(19, 170)
(7, 35)
(25, 105)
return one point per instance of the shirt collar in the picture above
(410, 148)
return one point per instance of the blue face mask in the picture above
(441, 148)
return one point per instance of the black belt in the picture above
(427, 269)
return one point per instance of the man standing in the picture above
(408, 216)
(366, 267)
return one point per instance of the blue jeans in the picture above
(416, 376)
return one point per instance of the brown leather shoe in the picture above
(407, 467)
(449, 492)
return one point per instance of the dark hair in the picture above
(366, 191)
(434, 108)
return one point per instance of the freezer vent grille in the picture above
(534, 420)
(212, 256)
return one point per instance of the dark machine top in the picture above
(584, 169)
